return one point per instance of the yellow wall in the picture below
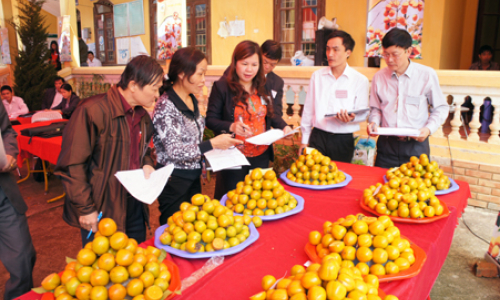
(451, 42)
(51, 21)
(448, 33)
(86, 9)
(258, 16)
(351, 17)
(468, 33)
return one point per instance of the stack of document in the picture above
(270, 136)
(226, 159)
(397, 131)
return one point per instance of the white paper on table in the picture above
(226, 159)
(145, 190)
(397, 131)
(269, 137)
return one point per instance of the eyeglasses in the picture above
(269, 63)
(391, 55)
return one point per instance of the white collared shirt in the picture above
(16, 107)
(94, 63)
(57, 100)
(407, 100)
(328, 95)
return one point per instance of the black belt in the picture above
(400, 138)
(332, 133)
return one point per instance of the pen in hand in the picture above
(98, 219)
(241, 120)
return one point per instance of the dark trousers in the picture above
(337, 146)
(227, 179)
(176, 191)
(392, 152)
(135, 223)
(16, 249)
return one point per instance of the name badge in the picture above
(341, 94)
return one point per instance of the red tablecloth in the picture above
(281, 243)
(47, 149)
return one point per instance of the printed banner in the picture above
(383, 15)
(171, 17)
(494, 248)
(4, 42)
(64, 38)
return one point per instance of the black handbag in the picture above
(48, 131)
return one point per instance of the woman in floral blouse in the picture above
(179, 130)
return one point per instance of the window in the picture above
(488, 28)
(296, 22)
(104, 37)
(198, 25)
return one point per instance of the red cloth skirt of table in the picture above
(47, 149)
(281, 243)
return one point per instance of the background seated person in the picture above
(52, 96)
(92, 61)
(69, 102)
(485, 63)
(14, 105)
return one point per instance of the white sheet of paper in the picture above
(397, 131)
(237, 28)
(270, 136)
(145, 190)
(226, 159)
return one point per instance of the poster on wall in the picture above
(64, 38)
(383, 15)
(171, 17)
(4, 44)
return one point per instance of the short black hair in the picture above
(143, 70)
(347, 40)
(271, 49)
(67, 87)
(6, 88)
(485, 48)
(59, 78)
(397, 37)
(184, 61)
(90, 52)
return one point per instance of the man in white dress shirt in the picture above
(92, 61)
(14, 105)
(335, 89)
(404, 95)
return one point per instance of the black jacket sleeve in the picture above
(216, 105)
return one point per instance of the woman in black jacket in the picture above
(69, 102)
(179, 130)
(239, 103)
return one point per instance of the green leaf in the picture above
(166, 294)
(163, 255)
(39, 290)
(69, 259)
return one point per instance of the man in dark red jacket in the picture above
(109, 133)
